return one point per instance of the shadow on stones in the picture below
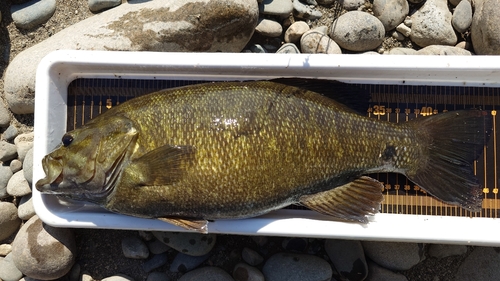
(4, 36)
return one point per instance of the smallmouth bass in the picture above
(241, 149)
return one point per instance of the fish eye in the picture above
(67, 139)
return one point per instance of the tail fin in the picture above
(457, 139)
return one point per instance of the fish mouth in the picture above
(53, 175)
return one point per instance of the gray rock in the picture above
(295, 31)
(26, 209)
(390, 12)
(7, 151)
(485, 30)
(24, 143)
(134, 248)
(74, 273)
(251, 257)
(357, 31)
(303, 11)
(481, 264)
(156, 247)
(403, 29)
(118, 277)
(348, 258)
(155, 262)
(352, 4)
(269, 28)
(157, 276)
(43, 252)
(322, 28)
(462, 16)
(28, 166)
(398, 35)
(156, 25)
(300, 267)
(185, 263)
(9, 221)
(18, 185)
(4, 115)
(208, 273)
(443, 51)
(400, 51)
(33, 13)
(260, 240)
(193, 244)
(100, 5)
(281, 8)
(431, 24)
(146, 235)
(315, 42)
(256, 48)
(15, 166)
(394, 256)
(288, 48)
(378, 273)
(442, 251)
(5, 175)
(5, 249)
(245, 272)
(8, 270)
(10, 133)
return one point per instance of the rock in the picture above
(155, 262)
(18, 185)
(326, 2)
(357, 31)
(322, 28)
(157, 276)
(269, 28)
(5, 249)
(352, 4)
(378, 273)
(193, 244)
(156, 247)
(146, 235)
(392, 255)
(5, 175)
(431, 24)
(404, 29)
(28, 166)
(315, 42)
(245, 272)
(281, 8)
(443, 51)
(15, 166)
(288, 48)
(8, 270)
(7, 151)
(184, 263)
(86, 277)
(256, 48)
(485, 31)
(462, 16)
(260, 240)
(400, 51)
(74, 273)
(42, 251)
(208, 273)
(348, 258)
(10, 133)
(442, 251)
(99, 5)
(390, 12)
(134, 248)
(295, 31)
(481, 264)
(33, 13)
(300, 267)
(156, 25)
(118, 277)
(9, 221)
(24, 143)
(398, 35)
(4, 115)
(26, 209)
(251, 257)
(454, 2)
(294, 244)
(303, 11)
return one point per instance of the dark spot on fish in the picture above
(67, 140)
(389, 153)
(192, 241)
(182, 268)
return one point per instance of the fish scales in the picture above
(241, 149)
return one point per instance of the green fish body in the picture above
(241, 149)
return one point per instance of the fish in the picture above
(235, 150)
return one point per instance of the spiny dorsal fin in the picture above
(197, 225)
(162, 166)
(350, 202)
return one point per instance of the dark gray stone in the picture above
(251, 257)
(155, 262)
(134, 248)
(208, 273)
(481, 264)
(348, 258)
(184, 263)
(33, 13)
(100, 5)
(245, 272)
(194, 244)
(299, 267)
(394, 255)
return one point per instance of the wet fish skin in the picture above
(241, 149)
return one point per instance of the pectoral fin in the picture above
(350, 202)
(197, 225)
(162, 166)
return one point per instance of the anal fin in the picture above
(196, 225)
(351, 202)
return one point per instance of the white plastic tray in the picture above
(59, 68)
